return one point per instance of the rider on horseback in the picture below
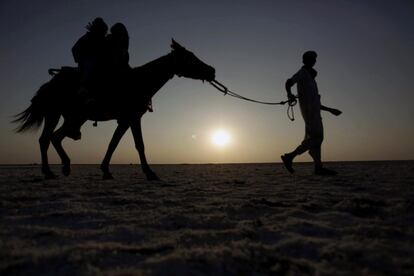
(89, 53)
(117, 44)
(100, 56)
(117, 59)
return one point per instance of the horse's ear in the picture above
(175, 45)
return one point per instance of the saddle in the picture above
(73, 76)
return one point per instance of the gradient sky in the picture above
(365, 65)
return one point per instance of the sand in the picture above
(209, 220)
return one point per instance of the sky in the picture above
(365, 68)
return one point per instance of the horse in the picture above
(60, 98)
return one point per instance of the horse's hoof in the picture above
(152, 176)
(107, 176)
(66, 170)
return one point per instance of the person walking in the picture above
(310, 106)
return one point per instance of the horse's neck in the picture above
(155, 74)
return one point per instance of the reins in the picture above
(222, 88)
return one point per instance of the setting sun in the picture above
(220, 137)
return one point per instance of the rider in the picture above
(117, 43)
(89, 52)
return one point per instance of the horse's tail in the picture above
(47, 101)
(32, 117)
(29, 119)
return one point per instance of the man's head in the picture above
(98, 27)
(309, 58)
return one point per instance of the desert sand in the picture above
(230, 219)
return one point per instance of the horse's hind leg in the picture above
(51, 122)
(57, 138)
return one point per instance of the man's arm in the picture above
(333, 111)
(288, 85)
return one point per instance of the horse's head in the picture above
(190, 66)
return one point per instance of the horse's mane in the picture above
(151, 66)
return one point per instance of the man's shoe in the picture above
(288, 162)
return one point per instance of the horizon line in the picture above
(211, 163)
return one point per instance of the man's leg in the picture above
(315, 153)
(316, 147)
(288, 157)
(315, 143)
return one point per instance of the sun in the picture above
(220, 138)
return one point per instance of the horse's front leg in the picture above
(139, 145)
(119, 132)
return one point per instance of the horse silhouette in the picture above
(126, 102)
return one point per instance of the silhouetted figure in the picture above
(117, 43)
(89, 52)
(57, 98)
(310, 106)
(117, 58)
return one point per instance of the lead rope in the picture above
(290, 113)
(220, 87)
